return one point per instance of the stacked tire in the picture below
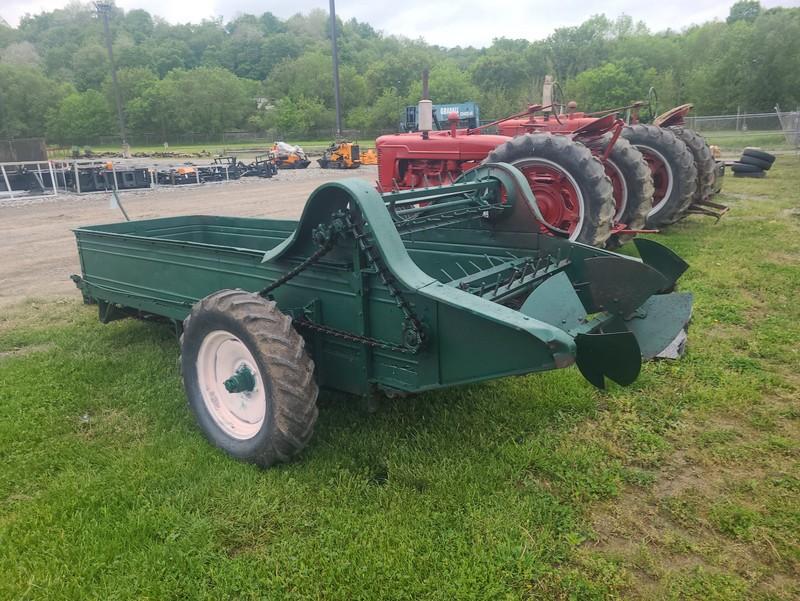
(753, 163)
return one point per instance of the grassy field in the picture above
(732, 141)
(684, 486)
(728, 141)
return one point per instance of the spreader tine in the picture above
(614, 355)
(659, 321)
(620, 285)
(661, 258)
(554, 301)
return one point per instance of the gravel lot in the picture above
(37, 246)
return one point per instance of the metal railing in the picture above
(790, 124)
(28, 179)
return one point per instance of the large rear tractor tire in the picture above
(248, 377)
(703, 161)
(570, 185)
(633, 187)
(672, 167)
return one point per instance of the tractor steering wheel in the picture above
(652, 104)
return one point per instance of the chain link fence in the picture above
(790, 122)
(732, 133)
(735, 124)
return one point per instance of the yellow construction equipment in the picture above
(289, 157)
(341, 155)
(369, 157)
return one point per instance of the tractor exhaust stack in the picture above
(425, 109)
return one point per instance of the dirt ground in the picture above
(37, 247)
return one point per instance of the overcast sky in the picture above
(455, 23)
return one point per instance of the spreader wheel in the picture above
(633, 187)
(248, 377)
(672, 167)
(571, 188)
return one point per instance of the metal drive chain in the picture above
(316, 256)
(413, 331)
(344, 335)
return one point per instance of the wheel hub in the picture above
(231, 385)
(619, 186)
(557, 194)
(242, 380)
(662, 176)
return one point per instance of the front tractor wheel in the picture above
(570, 185)
(248, 378)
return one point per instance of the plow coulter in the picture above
(397, 293)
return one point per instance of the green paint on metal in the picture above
(556, 303)
(243, 380)
(662, 259)
(659, 320)
(407, 291)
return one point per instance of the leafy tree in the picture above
(21, 54)
(139, 24)
(744, 10)
(447, 83)
(276, 49)
(383, 114)
(609, 86)
(241, 50)
(90, 66)
(26, 96)
(297, 116)
(748, 61)
(80, 117)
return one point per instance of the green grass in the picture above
(728, 141)
(682, 486)
(733, 141)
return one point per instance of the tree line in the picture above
(259, 73)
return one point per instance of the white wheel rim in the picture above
(623, 188)
(522, 163)
(239, 414)
(670, 178)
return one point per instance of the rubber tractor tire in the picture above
(759, 154)
(634, 194)
(570, 185)
(672, 165)
(738, 167)
(703, 161)
(248, 377)
(747, 159)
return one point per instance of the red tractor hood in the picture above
(441, 145)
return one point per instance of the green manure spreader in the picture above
(397, 293)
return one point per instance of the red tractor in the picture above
(566, 170)
(626, 168)
(684, 171)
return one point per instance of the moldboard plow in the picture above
(402, 292)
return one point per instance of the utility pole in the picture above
(103, 9)
(336, 71)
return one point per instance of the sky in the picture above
(457, 23)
